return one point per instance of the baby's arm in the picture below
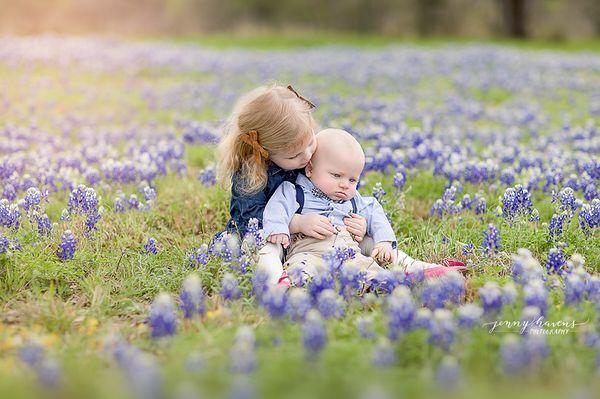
(278, 213)
(379, 227)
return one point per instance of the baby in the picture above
(329, 189)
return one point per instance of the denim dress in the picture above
(243, 207)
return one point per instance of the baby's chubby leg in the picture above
(270, 259)
(410, 265)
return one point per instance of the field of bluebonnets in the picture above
(110, 285)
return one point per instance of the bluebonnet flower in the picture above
(525, 267)
(32, 199)
(535, 344)
(133, 202)
(589, 336)
(149, 193)
(589, 193)
(491, 240)
(466, 202)
(49, 373)
(192, 297)
(400, 311)
(335, 259)
(351, 278)
(365, 327)
(383, 354)
(507, 177)
(297, 275)
(198, 257)
(535, 294)
(575, 288)
(556, 260)
(433, 295)
(274, 300)
(9, 192)
(555, 227)
(44, 226)
(469, 315)
(468, 249)
(230, 287)
(530, 316)
(321, 280)
(480, 206)
(10, 216)
(260, 282)
(298, 304)
(513, 355)
(119, 204)
(516, 200)
(567, 199)
(422, 319)
(4, 244)
(314, 335)
(589, 216)
(32, 353)
(509, 293)
(448, 374)
(150, 246)
(491, 297)
(68, 244)
(208, 176)
(378, 192)
(442, 328)
(330, 304)
(162, 319)
(384, 281)
(243, 359)
(254, 237)
(399, 180)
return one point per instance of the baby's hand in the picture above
(357, 226)
(383, 252)
(282, 239)
(315, 225)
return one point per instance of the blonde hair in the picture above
(278, 121)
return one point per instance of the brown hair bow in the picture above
(251, 138)
(310, 105)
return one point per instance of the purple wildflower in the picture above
(556, 260)
(365, 326)
(330, 304)
(383, 354)
(442, 329)
(274, 300)
(162, 319)
(67, 246)
(378, 192)
(491, 240)
(448, 375)
(491, 297)
(192, 297)
(469, 315)
(535, 294)
(400, 311)
(298, 304)
(314, 334)
(230, 287)
(243, 359)
(150, 246)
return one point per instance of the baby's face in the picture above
(336, 172)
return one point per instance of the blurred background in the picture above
(536, 19)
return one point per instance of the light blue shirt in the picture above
(282, 206)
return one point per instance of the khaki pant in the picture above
(306, 253)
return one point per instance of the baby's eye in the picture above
(352, 181)
(336, 175)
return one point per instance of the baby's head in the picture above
(337, 164)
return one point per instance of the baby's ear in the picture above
(308, 169)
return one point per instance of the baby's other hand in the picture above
(383, 253)
(282, 239)
(316, 226)
(357, 226)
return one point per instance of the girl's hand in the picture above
(383, 253)
(357, 226)
(282, 239)
(312, 225)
